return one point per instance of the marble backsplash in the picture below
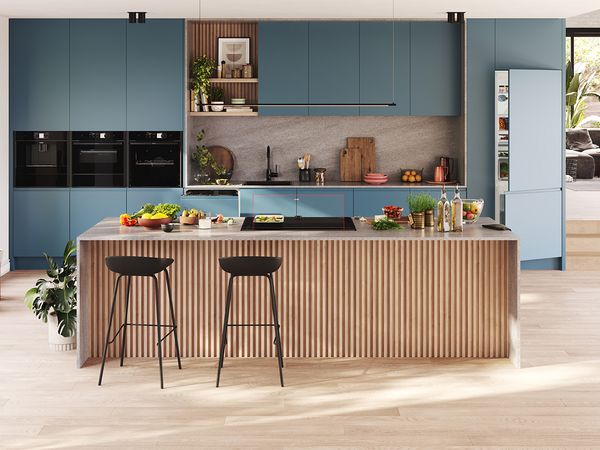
(401, 142)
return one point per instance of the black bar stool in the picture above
(251, 266)
(140, 266)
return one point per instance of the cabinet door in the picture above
(333, 67)
(39, 74)
(536, 151)
(435, 61)
(136, 198)
(370, 201)
(385, 67)
(325, 202)
(536, 217)
(90, 206)
(283, 67)
(97, 71)
(40, 222)
(155, 80)
(268, 201)
(214, 204)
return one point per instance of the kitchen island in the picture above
(341, 293)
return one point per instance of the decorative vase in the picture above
(203, 177)
(216, 106)
(204, 99)
(429, 222)
(417, 220)
(194, 101)
(57, 342)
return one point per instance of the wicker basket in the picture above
(572, 167)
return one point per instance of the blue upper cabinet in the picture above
(435, 69)
(385, 67)
(98, 74)
(333, 67)
(155, 79)
(283, 67)
(39, 74)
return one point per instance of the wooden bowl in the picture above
(188, 220)
(153, 223)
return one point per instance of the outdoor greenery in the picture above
(421, 202)
(579, 85)
(58, 295)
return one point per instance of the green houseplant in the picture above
(206, 162)
(578, 91)
(421, 210)
(54, 300)
(216, 96)
(202, 70)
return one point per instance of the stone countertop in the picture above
(236, 185)
(110, 230)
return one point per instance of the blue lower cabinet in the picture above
(268, 201)
(325, 202)
(370, 201)
(40, 222)
(90, 206)
(136, 198)
(214, 204)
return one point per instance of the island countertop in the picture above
(109, 229)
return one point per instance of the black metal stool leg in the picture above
(276, 326)
(158, 326)
(173, 318)
(110, 319)
(125, 321)
(224, 333)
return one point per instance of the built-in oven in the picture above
(41, 159)
(155, 158)
(98, 158)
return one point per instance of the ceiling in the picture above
(293, 9)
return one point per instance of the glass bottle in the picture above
(457, 211)
(443, 211)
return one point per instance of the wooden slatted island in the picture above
(363, 293)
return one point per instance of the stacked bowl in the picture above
(375, 178)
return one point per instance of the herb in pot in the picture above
(419, 203)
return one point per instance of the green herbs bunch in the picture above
(420, 203)
(386, 224)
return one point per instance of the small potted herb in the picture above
(421, 210)
(202, 70)
(216, 96)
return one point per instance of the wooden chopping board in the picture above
(357, 149)
(223, 156)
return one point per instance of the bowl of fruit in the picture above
(472, 210)
(190, 216)
(412, 175)
(149, 220)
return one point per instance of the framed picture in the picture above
(235, 52)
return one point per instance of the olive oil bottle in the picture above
(457, 211)
(443, 212)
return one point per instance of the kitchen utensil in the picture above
(320, 175)
(439, 174)
(304, 175)
(366, 145)
(472, 210)
(300, 163)
(350, 164)
(450, 165)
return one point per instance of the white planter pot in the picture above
(216, 106)
(57, 342)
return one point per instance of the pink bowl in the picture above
(373, 174)
(375, 181)
(375, 178)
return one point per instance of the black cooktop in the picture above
(301, 223)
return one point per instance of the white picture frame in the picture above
(235, 52)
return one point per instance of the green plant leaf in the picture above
(67, 323)
(30, 297)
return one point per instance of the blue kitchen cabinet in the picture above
(268, 201)
(39, 74)
(325, 202)
(155, 78)
(40, 222)
(283, 67)
(385, 67)
(435, 69)
(98, 74)
(138, 197)
(370, 201)
(333, 67)
(90, 206)
(215, 204)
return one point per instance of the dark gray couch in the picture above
(588, 161)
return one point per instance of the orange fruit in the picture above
(405, 178)
(413, 172)
(418, 178)
(407, 172)
(411, 179)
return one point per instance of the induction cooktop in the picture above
(301, 223)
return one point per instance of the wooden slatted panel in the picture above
(337, 298)
(203, 40)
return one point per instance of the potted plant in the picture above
(202, 70)
(421, 210)
(55, 300)
(206, 163)
(216, 95)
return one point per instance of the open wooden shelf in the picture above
(233, 80)
(223, 114)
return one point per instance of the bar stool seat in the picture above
(251, 266)
(140, 266)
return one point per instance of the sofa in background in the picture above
(583, 144)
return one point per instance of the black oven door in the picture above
(155, 164)
(100, 164)
(40, 163)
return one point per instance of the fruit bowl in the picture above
(411, 175)
(472, 210)
(153, 223)
(188, 220)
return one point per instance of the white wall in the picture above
(4, 145)
(588, 20)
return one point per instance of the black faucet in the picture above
(271, 173)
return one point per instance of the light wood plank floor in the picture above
(554, 402)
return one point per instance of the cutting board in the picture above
(223, 157)
(358, 149)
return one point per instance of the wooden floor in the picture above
(554, 402)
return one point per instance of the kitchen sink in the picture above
(268, 183)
